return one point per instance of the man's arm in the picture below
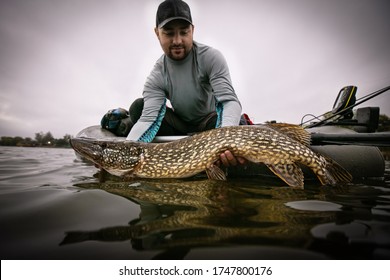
(146, 128)
(229, 107)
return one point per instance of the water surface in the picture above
(55, 206)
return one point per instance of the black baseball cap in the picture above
(172, 9)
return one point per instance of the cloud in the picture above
(65, 63)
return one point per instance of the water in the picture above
(53, 206)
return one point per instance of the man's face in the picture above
(176, 38)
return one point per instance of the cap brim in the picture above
(171, 19)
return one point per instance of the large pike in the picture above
(282, 147)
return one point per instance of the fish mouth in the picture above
(87, 148)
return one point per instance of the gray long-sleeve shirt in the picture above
(196, 86)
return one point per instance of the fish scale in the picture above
(282, 147)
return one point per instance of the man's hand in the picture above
(228, 159)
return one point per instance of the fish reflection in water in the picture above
(182, 215)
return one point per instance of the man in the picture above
(193, 77)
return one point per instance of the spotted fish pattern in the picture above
(281, 147)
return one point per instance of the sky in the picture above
(64, 64)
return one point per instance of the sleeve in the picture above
(227, 103)
(146, 128)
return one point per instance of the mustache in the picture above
(176, 46)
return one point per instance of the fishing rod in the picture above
(346, 109)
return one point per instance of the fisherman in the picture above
(195, 79)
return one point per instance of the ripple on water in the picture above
(314, 205)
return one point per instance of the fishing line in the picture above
(311, 115)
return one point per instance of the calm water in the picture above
(52, 206)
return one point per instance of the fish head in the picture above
(117, 157)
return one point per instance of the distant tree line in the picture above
(384, 123)
(41, 140)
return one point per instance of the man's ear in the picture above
(157, 32)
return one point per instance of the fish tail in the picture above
(335, 173)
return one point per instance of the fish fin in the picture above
(290, 173)
(335, 173)
(215, 173)
(293, 131)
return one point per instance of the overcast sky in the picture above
(63, 64)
